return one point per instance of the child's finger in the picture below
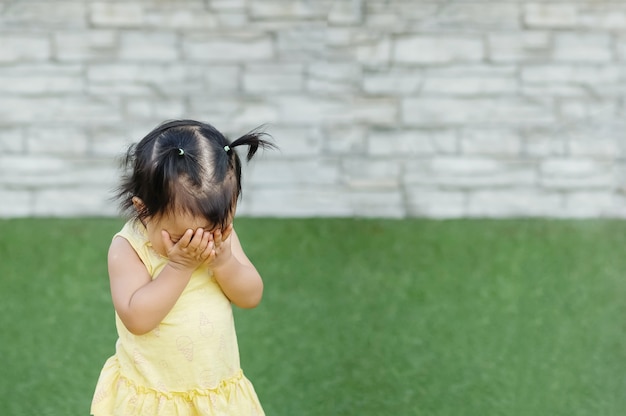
(185, 239)
(167, 241)
(196, 239)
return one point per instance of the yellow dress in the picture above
(188, 365)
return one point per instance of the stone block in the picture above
(551, 16)
(393, 82)
(72, 109)
(581, 173)
(301, 43)
(116, 14)
(294, 172)
(295, 142)
(23, 47)
(365, 173)
(75, 201)
(81, 46)
(568, 73)
(222, 5)
(429, 202)
(473, 16)
(491, 141)
(422, 49)
(411, 143)
(603, 16)
(222, 78)
(514, 202)
(374, 54)
(140, 46)
(217, 49)
(376, 203)
(294, 10)
(346, 12)
(12, 140)
(185, 19)
(583, 47)
(141, 108)
(42, 79)
(348, 139)
(295, 201)
(519, 47)
(56, 140)
(470, 172)
(64, 14)
(16, 202)
(273, 78)
(591, 204)
(437, 112)
(470, 86)
(540, 142)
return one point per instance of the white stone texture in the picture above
(62, 14)
(363, 174)
(505, 142)
(85, 46)
(66, 202)
(581, 173)
(423, 49)
(563, 15)
(468, 111)
(583, 47)
(376, 203)
(219, 48)
(397, 82)
(375, 53)
(379, 108)
(12, 140)
(15, 202)
(466, 173)
(473, 16)
(44, 79)
(411, 143)
(265, 78)
(116, 14)
(528, 46)
(514, 202)
(24, 47)
(71, 109)
(423, 201)
(151, 47)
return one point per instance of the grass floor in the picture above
(359, 317)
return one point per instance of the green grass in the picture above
(359, 317)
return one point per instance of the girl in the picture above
(174, 270)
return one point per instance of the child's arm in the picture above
(142, 302)
(234, 272)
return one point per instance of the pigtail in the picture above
(254, 140)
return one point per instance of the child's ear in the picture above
(140, 207)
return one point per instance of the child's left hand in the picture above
(221, 244)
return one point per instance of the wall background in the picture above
(381, 108)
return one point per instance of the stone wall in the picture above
(389, 108)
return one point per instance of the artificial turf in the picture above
(359, 317)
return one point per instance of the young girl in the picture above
(174, 270)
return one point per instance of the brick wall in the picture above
(381, 108)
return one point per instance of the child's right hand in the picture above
(192, 250)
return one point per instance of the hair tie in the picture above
(226, 148)
(180, 152)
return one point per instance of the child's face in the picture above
(175, 225)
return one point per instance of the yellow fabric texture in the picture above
(188, 365)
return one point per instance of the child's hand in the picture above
(192, 250)
(222, 248)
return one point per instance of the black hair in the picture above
(186, 165)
